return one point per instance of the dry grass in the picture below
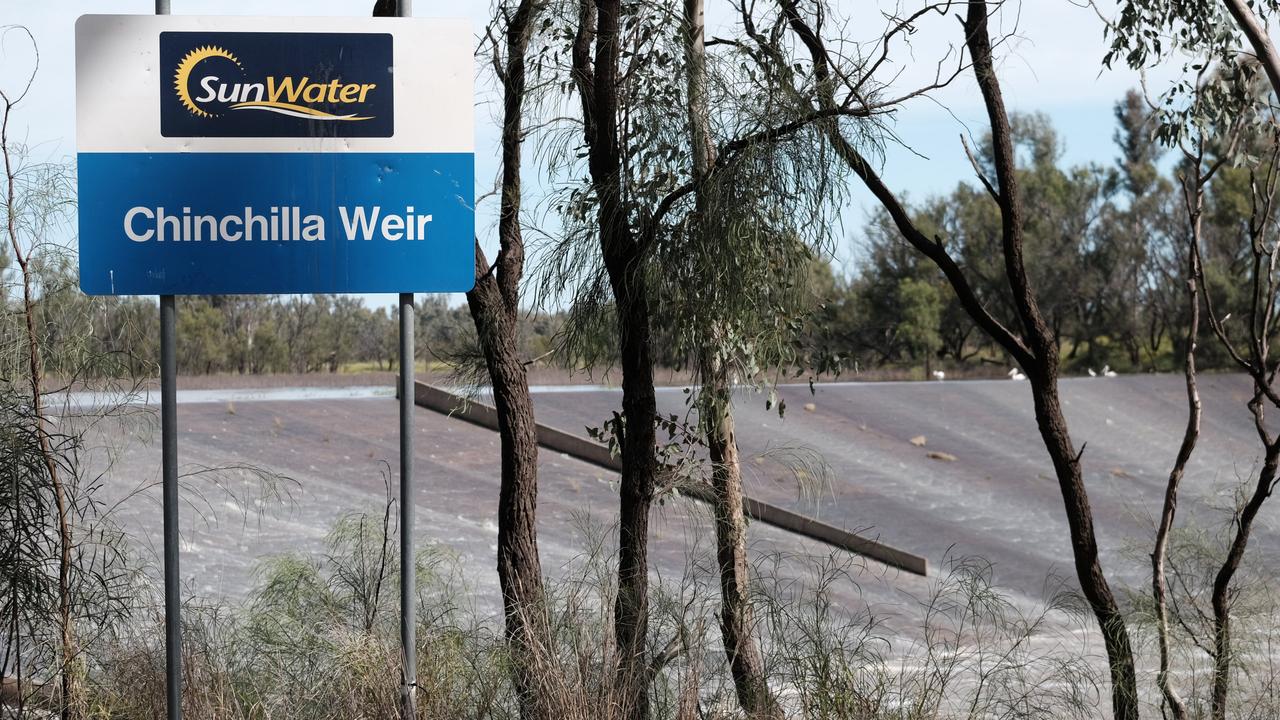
(318, 640)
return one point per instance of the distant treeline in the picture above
(1102, 247)
(243, 334)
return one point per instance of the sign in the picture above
(274, 155)
(253, 85)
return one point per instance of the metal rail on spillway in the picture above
(589, 451)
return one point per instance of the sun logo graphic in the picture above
(299, 97)
(182, 77)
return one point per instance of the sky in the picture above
(1052, 63)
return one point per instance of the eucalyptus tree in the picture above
(639, 204)
(1028, 337)
(494, 304)
(1198, 170)
(718, 339)
(606, 209)
(1220, 101)
(733, 290)
(495, 309)
(1250, 348)
(628, 92)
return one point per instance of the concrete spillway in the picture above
(979, 485)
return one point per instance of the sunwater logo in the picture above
(276, 85)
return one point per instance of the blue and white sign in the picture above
(274, 155)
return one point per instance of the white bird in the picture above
(1109, 373)
(939, 375)
(1016, 374)
(1092, 373)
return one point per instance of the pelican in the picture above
(1016, 374)
(939, 375)
(1092, 373)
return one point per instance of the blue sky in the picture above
(1051, 64)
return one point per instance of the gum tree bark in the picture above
(1035, 350)
(737, 621)
(597, 82)
(1265, 51)
(1193, 196)
(1255, 360)
(1222, 583)
(494, 303)
(716, 416)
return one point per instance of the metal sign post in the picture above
(169, 479)
(169, 473)
(408, 562)
(242, 155)
(408, 565)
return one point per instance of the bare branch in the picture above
(978, 170)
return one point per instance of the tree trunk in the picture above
(519, 567)
(1084, 545)
(1255, 30)
(639, 470)
(716, 415)
(737, 623)
(1159, 585)
(1169, 508)
(1042, 370)
(494, 306)
(1222, 595)
(1037, 353)
(624, 262)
